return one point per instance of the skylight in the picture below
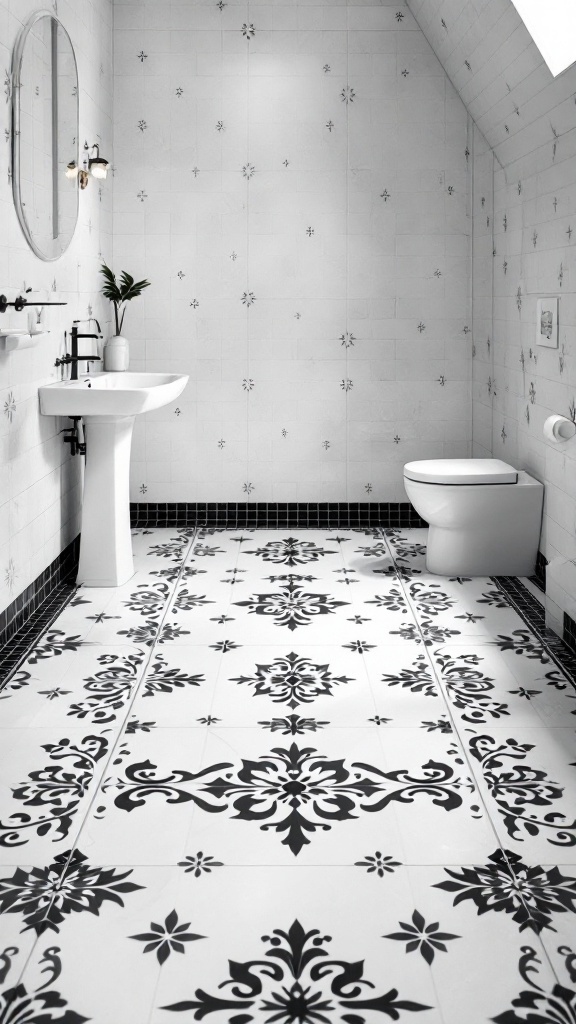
(552, 25)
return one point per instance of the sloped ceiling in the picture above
(493, 62)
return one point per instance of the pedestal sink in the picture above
(108, 404)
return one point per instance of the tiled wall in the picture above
(482, 297)
(529, 119)
(294, 180)
(491, 58)
(534, 223)
(39, 483)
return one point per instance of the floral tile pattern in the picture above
(193, 765)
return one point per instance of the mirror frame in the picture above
(17, 56)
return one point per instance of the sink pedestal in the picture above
(108, 403)
(106, 541)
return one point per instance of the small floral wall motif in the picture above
(295, 259)
(40, 483)
(523, 239)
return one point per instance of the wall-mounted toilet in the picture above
(484, 516)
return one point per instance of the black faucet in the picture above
(73, 358)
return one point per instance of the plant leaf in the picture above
(136, 288)
(110, 287)
(126, 282)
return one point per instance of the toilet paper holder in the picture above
(559, 428)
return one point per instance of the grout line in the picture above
(221, 662)
(439, 683)
(127, 710)
(347, 292)
(455, 734)
(482, 799)
(248, 396)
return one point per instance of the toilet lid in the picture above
(461, 471)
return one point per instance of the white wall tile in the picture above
(524, 203)
(39, 483)
(323, 243)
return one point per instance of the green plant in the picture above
(120, 292)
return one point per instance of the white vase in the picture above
(116, 353)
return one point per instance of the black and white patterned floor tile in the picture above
(290, 777)
(48, 778)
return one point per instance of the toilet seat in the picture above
(461, 471)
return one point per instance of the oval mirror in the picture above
(45, 135)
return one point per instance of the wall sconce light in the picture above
(97, 165)
(74, 171)
(92, 164)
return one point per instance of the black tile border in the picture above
(17, 613)
(570, 632)
(539, 577)
(275, 515)
(24, 621)
(533, 613)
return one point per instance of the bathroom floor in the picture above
(287, 776)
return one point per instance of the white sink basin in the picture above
(111, 394)
(108, 404)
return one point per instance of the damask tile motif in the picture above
(319, 553)
(291, 603)
(286, 795)
(88, 687)
(45, 896)
(47, 781)
(485, 687)
(256, 683)
(491, 929)
(179, 686)
(303, 928)
(202, 970)
(291, 552)
(557, 935)
(526, 780)
(276, 717)
(404, 685)
(478, 610)
(16, 944)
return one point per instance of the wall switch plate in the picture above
(547, 321)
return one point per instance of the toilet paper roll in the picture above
(559, 428)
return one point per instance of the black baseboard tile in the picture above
(561, 650)
(539, 577)
(23, 621)
(570, 632)
(272, 515)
